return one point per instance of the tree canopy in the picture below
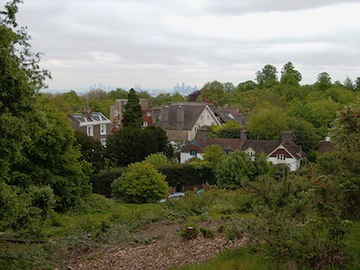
(36, 140)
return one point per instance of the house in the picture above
(196, 147)
(93, 124)
(325, 146)
(182, 121)
(283, 151)
(225, 115)
(117, 111)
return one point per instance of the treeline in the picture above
(270, 103)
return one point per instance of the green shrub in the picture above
(298, 220)
(141, 184)
(234, 170)
(207, 233)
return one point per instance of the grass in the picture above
(97, 225)
(240, 258)
(246, 258)
(353, 246)
(101, 224)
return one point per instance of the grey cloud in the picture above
(231, 7)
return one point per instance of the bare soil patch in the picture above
(165, 248)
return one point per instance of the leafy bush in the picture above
(158, 159)
(298, 220)
(233, 170)
(141, 184)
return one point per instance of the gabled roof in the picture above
(191, 110)
(225, 144)
(325, 146)
(268, 147)
(261, 146)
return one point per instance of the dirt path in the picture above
(166, 249)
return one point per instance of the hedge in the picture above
(101, 182)
(185, 175)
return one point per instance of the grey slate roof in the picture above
(192, 112)
(89, 117)
(225, 143)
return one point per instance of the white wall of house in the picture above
(207, 118)
(186, 156)
(291, 162)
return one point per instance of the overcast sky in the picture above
(158, 43)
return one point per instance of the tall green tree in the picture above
(357, 84)
(245, 86)
(212, 92)
(348, 83)
(167, 98)
(267, 78)
(36, 141)
(289, 75)
(133, 113)
(129, 145)
(118, 93)
(323, 81)
(267, 123)
(91, 150)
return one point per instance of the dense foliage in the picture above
(129, 145)
(132, 114)
(142, 183)
(37, 151)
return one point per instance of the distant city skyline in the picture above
(158, 43)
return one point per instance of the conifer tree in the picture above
(133, 113)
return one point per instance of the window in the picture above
(103, 129)
(89, 131)
(148, 114)
(281, 157)
(251, 154)
(145, 124)
(193, 153)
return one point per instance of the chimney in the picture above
(286, 136)
(180, 114)
(86, 113)
(165, 114)
(243, 135)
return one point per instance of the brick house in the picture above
(93, 124)
(283, 151)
